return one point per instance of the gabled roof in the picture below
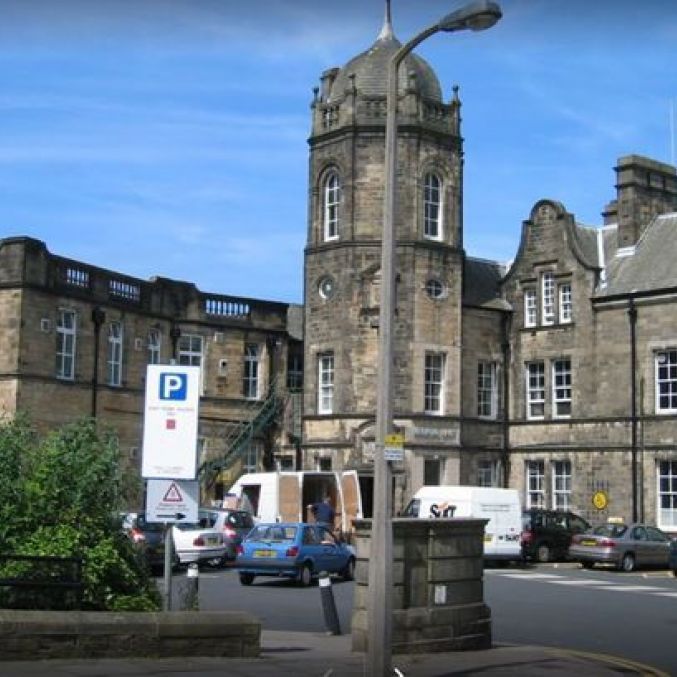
(649, 265)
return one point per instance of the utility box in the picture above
(438, 591)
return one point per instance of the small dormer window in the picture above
(331, 202)
(432, 206)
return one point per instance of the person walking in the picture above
(323, 512)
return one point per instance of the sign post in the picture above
(169, 453)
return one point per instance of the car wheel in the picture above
(246, 579)
(543, 553)
(587, 565)
(628, 562)
(305, 577)
(348, 573)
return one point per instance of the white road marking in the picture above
(566, 581)
(527, 575)
(634, 588)
(583, 583)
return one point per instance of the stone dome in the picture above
(371, 72)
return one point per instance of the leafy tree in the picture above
(61, 495)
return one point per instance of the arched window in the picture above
(331, 199)
(432, 206)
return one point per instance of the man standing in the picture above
(323, 512)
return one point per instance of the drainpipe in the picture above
(505, 347)
(174, 335)
(632, 315)
(98, 318)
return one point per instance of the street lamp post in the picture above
(475, 16)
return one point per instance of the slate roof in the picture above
(481, 283)
(651, 267)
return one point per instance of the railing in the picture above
(258, 417)
(36, 582)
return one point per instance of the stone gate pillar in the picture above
(438, 592)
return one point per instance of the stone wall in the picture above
(438, 592)
(36, 635)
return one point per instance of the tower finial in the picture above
(387, 30)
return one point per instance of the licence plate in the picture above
(264, 553)
(211, 540)
(488, 538)
(588, 542)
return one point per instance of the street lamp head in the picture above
(475, 16)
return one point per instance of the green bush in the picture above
(60, 495)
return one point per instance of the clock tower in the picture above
(343, 260)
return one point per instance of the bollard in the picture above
(192, 598)
(331, 620)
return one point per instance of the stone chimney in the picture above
(645, 188)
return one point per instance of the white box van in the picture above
(285, 495)
(500, 506)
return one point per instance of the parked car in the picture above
(626, 546)
(294, 550)
(199, 542)
(672, 562)
(148, 537)
(234, 524)
(546, 534)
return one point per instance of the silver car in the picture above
(199, 542)
(626, 546)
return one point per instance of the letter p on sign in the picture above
(173, 386)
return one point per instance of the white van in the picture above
(500, 506)
(284, 496)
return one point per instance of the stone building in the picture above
(557, 375)
(75, 342)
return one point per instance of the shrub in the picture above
(60, 495)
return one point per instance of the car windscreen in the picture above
(240, 520)
(610, 530)
(272, 533)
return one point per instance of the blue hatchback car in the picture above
(293, 550)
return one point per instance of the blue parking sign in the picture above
(173, 386)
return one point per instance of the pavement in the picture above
(306, 654)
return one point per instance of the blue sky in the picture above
(169, 137)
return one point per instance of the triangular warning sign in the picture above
(173, 494)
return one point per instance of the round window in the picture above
(326, 287)
(434, 289)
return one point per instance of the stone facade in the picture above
(37, 287)
(556, 376)
(560, 399)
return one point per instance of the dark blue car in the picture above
(294, 550)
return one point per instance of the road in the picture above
(633, 616)
(628, 615)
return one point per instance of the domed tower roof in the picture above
(370, 69)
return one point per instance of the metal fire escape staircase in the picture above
(259, 415)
